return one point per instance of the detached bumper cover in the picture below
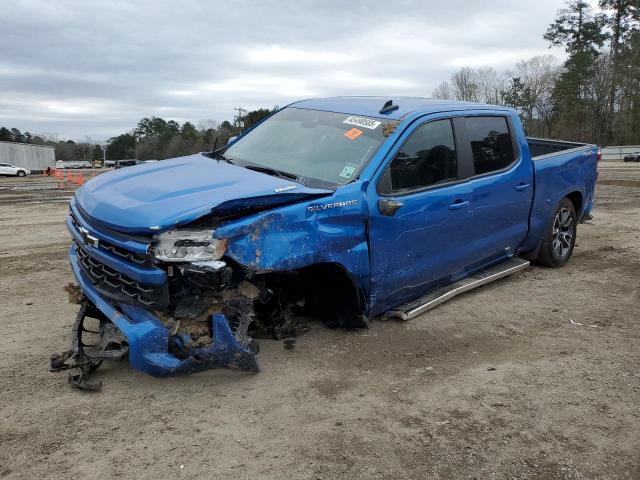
(148, 339)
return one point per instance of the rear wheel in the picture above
(560, 237)
(21, 173)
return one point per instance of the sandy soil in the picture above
(498, 383)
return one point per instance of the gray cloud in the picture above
(80, 68)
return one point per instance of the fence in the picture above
(615, 153)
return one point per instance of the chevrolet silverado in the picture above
(340, 208)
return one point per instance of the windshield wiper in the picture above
(272, 171)
(218, 155)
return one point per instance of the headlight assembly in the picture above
(183, 245)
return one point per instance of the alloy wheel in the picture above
(563, 232)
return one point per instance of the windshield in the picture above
(320, 149)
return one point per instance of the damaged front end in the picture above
(170, 315)
(191, 298)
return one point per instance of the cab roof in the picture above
(371, 106)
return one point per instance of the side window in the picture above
(491, 144)
(427, 158)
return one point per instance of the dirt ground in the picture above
(496, 384)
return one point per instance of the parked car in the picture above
(127, 163)
(347, 207)
(12, 170)
(632, 157)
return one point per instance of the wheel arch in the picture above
(332, 290)
(576, 199)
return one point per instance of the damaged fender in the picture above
(322, 230)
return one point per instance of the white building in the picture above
(32, 157)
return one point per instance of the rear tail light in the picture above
(599, 154)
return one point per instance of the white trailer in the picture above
(32, 157)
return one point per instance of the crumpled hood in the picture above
(157, 196)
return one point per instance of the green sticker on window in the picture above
(347, 171)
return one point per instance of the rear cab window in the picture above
(489, 141)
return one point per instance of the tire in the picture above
(21, 173)
(560, 237)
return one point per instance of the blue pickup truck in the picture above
(340, 208)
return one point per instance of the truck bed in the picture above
(560, 169)
(541, 147)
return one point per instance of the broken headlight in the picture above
(184, 245)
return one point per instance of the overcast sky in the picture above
(77, 68)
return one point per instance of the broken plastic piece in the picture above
(225, 350)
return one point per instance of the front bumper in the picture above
(148, 339)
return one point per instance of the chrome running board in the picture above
(433, 299)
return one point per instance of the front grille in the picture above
(127, 255)
(118, 286)
(143, 260)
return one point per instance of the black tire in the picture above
(560, 237)
(22, 173)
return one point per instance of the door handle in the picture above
(521, 187)
(389, 207)
(458, 204)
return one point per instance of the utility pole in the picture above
(238, 122)
(135, 145)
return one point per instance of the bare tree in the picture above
(538, 76)
(443, 92)
(207, 124)
(547, 107)
(465, 86)
(490, 85)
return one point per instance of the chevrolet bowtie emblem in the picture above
(88, 238)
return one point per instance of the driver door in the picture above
(419, 213)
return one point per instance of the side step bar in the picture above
(433, 299)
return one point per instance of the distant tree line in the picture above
(593, 97)
(153, 138)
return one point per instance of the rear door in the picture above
(501, 180)
(6, 169)
(419, 215)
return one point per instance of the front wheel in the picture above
(560, 237)
(21, 173)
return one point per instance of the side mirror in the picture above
(232, 139)
(388, 207)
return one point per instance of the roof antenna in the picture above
(388, 107)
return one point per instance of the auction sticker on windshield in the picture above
(363, 122)
(353, 133)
